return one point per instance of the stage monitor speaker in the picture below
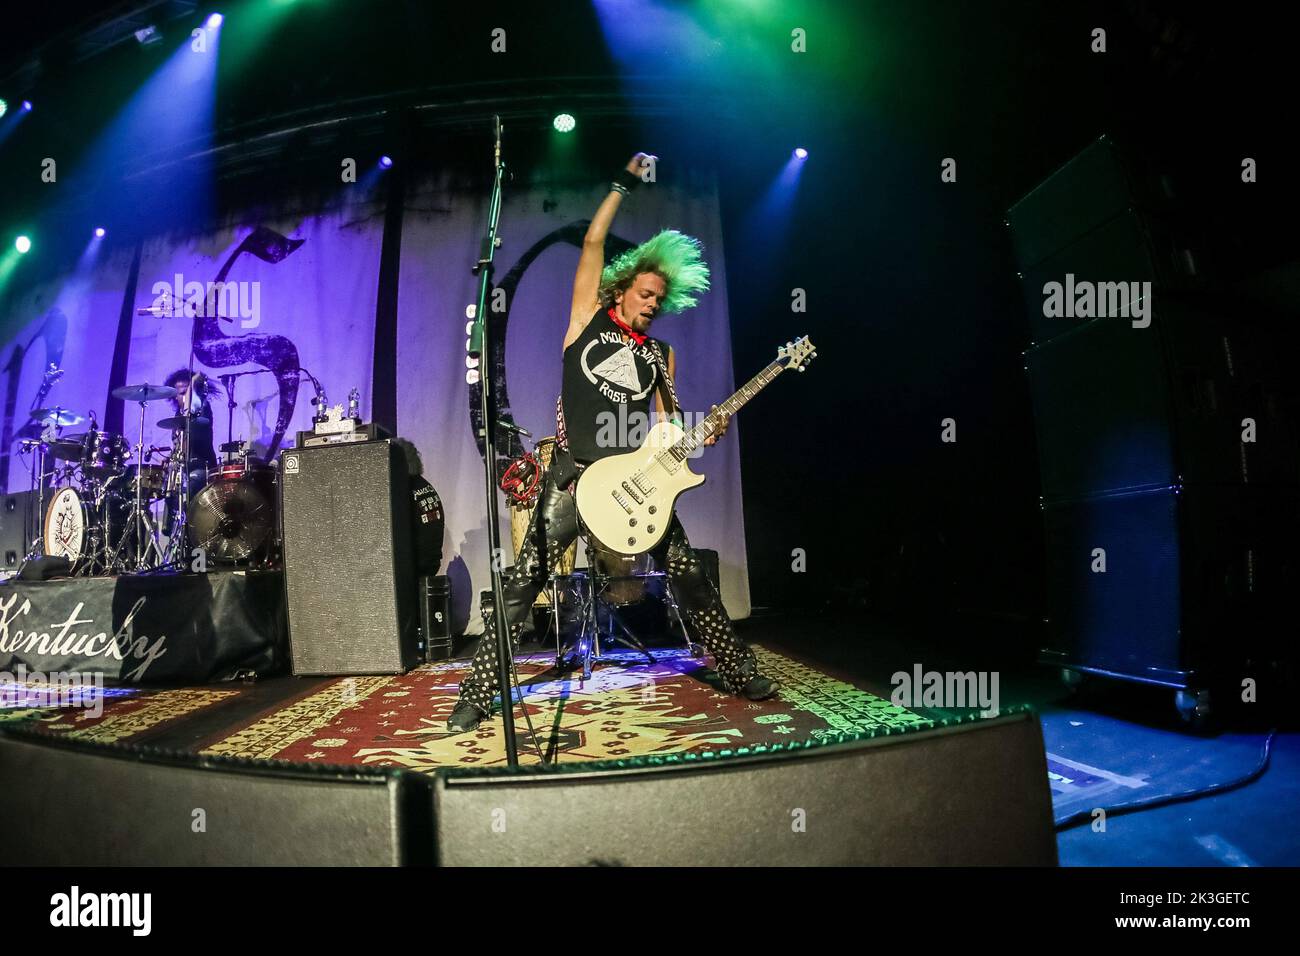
(973, 794)
(75, 804)
(348, 573)
(1179, 587)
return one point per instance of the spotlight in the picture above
(148, 36)
(4, 107)
(22, 244)
(801, 153)
(27, 106)
(564, 123)
(386, 161)
(100, 232)
(214, 21)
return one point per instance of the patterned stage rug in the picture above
(122, 714)
(624, 710)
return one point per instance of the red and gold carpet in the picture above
(632, 709)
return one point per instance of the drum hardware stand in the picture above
(37, 546)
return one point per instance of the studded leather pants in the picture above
(553, 528)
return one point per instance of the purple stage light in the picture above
(100, 232)
(214, 21)
(386, 161)
(801, 153)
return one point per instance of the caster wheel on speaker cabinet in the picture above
(1194, 707)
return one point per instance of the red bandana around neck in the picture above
(637, 337)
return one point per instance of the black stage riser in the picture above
(181, 629)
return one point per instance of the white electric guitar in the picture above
(626, 501)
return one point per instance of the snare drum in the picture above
(628, 586)
(153, 481)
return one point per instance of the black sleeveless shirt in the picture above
(608, 390)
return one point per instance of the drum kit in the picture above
(110, 507)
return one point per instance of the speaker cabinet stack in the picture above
(348, 572)
(1168, 443)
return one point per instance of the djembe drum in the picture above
(521, 514)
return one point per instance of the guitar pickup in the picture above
(642, 483)
(622, 500)
(634, 496)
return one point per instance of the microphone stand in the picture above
(480, 344)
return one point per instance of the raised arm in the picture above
(586, 282)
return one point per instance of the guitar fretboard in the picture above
(700, 433)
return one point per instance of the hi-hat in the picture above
(144, 393)
(56, 416)
(177, 422)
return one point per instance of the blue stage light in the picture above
(386, 162)
(801, 153)
(99, 232)
(214, 21)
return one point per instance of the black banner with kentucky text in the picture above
(153, 629)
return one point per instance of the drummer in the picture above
(192, 391)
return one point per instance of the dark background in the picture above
(910, 283)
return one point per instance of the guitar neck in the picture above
(697, 435)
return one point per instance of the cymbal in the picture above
(177, 422)
(143, 393)
(56, 416)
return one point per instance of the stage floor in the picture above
(1113, 745)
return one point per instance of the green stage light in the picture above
(4, 107)
(22, 244)
(564, 123)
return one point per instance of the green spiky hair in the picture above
(674, 256)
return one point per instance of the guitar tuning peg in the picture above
(801, 368)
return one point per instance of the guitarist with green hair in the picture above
(614, 375)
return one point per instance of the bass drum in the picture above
(67, 526)
(234, 520)
(521, 516)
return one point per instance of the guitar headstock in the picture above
(797, 354)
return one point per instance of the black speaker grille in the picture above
(347, 559)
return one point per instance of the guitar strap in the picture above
(667, 390)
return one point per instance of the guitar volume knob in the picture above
(631, 522)
(631, 540)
